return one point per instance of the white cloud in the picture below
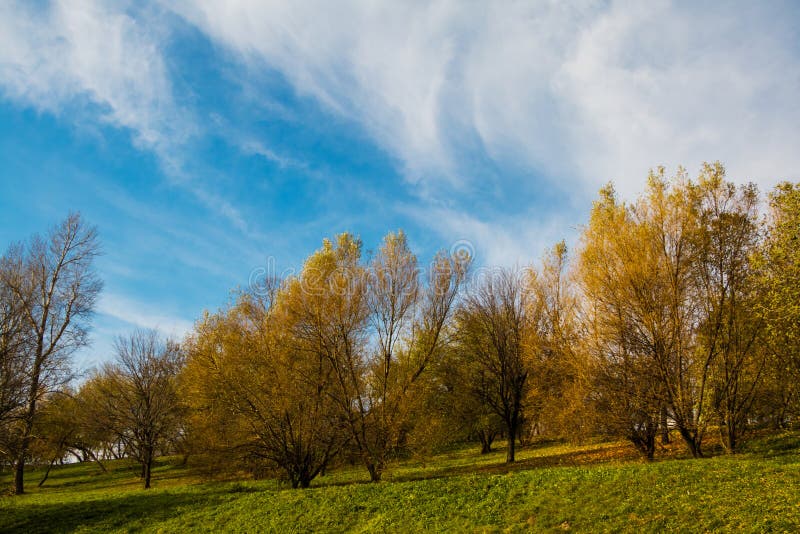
(91, 50)
(385, 64)
(142, 315)
(94, 58)
(581, 92)
(512, 240)
(574, 93)
(649, 84)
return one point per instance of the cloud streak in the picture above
(140, 315)
(73, 52)
(99, 59)
(501, 119)
(581, 93)
(512, 240)
(574, 95)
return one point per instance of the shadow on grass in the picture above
(783, 446)
(90, 476)
(132, 509)
(120, 511)
(614, 453)
(429, 470)
(603, 453)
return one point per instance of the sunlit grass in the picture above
(591, 487)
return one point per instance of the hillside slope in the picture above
(597, 487)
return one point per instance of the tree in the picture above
(459, 394)
(492, 332)
(258, 396)
(328, 316)
(627, 310)
(60, 431)
(670, 288)
(779, 267)
(136, 396)
(666, 309)
(407, 318)
(379, 327)
(52, 280)
(730, 330)
(557, 398)
(12, 368)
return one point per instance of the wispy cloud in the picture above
(581, 92)
(142, 315)
(258, 148)
(655, 83)
(512, 240)
(389, 74)
(578, 93)
(88, 59)
(76, 51)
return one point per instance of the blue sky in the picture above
(204, 138)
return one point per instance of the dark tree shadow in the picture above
(569, 459)
(118, 512)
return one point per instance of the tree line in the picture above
(676, 317)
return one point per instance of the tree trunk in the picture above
(305, 479)
(96, 459)
(664, 426)
(645, 443)
(728, 434)
(375, 472)
(148, 468)
(521, 431)
(486, 438)
(46, 473)
(691, 443)
(19, 474)
(512, 443)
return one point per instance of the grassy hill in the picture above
(594, 487)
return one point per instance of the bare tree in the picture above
(492, 323)
(12, 368)
(136, 396)
(53, 281)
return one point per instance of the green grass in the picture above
(591, 488)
